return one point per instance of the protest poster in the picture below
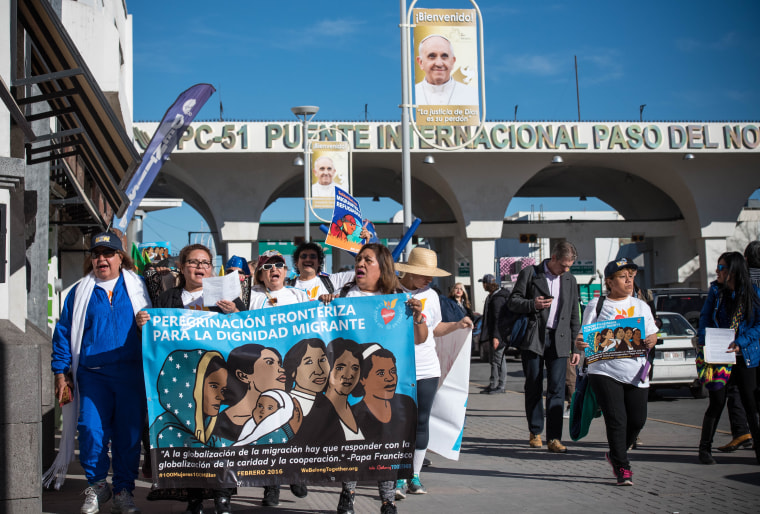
(155, 252)
(281, 395)
(346, 225)
(450, 404)
(330, 168)
(446, 67)
(614, 339)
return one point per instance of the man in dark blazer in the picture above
(549, 294)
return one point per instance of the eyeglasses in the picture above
(199, 264)
(308, 256)
(268, 266)
(105, 253)
(721, 267)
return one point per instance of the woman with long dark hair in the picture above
(732, 302)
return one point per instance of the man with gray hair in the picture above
(549, 295)
(324, 171)
(436, 58)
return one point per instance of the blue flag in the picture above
(171, 128)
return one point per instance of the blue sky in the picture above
(686, 60)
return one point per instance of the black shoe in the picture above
(271, 496)
(346, 502)
(487, 390)
(497, 391)
(222, 504)
(194, 507)
(388, 508)
(705, 454)
(299, 490)
(426, 462)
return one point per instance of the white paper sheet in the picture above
(716, 346)
(220, 288)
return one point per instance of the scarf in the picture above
(138, 294)
(715, 376)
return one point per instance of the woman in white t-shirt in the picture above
(621, 385)
(418, 273)
(269, 290)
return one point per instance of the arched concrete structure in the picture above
(686, 207)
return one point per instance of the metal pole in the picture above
(306, 183)
(406, 175)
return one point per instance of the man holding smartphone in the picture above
(550, 293)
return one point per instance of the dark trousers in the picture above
(745, 381)
(624, 407)
(533, 368)
(426, 389)
(736, 414)
(498, 366)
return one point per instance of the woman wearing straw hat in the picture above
(418, 273)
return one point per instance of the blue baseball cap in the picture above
(106, 240)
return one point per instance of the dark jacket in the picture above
(746, 335)
(172, 299)
(492, 311)
(531, 283)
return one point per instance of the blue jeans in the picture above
(533, 368)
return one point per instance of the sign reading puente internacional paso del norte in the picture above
(610, 136)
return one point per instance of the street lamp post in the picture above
(303, 112)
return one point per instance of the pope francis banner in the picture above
(305, 392)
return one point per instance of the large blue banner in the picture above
(172, 126)
(306, 392)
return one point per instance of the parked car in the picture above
(674, 355)
(685, 301)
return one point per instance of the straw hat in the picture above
(422, 261)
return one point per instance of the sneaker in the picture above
(416, 487)
(346, 502)
(194, 507)
(535, 441)
(222, 502)
(624, 476)
(554, 446)
(401, 489)
(614, 468)
(299, 490)
(124, 503)
(271, 496)
(566, 414)
(94, 496)
(388, 508)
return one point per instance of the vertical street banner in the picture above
(346, 227)
(446, 88)
(164, 141)
(330, 166)
(450, 404)
(305, 392)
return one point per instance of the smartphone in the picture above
(549, 297)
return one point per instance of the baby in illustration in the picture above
(275, 420)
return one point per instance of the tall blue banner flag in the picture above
(165, 139)
(298, 393)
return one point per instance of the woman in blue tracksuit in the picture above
(97, 356)
(732, 302)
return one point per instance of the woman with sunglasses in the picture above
(195, 264)
(269, 291)
(97, 362)
(732, 302)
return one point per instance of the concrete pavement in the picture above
(498, 472)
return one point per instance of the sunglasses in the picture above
(268, 266)
(105, 253)
(721, 267)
